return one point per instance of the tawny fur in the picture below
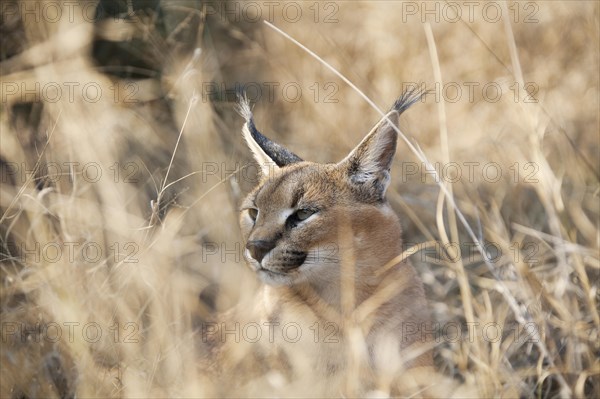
(327, 268)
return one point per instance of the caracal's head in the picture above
(304, 219)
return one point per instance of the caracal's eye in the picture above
(303, 214)
(299, 216)
(253, 213)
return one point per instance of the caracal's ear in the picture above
(268, 154)
(368, 165)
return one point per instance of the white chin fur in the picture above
(254, 265)
(274, 279)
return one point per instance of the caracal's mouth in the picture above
(288, 271)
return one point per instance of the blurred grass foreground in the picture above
(122, 168)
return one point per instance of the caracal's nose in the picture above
(259, 248)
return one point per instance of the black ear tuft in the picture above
(368, 165)
(264, 149)
(408, 98)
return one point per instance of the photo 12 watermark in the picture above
(468, 172)
(222, 252)
(326, 12)
(76, 253)
(70, 171)
(471, 251)
(271, 92)
(70, 92)
(474, 91)
(69, 331)
(493, 12)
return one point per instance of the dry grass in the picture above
(126, 252)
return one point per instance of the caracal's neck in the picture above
(325, 299)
